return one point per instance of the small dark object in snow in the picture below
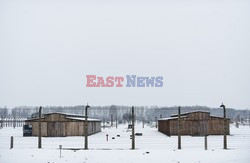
(146, 153)
(138, 134)
(118, 135)
(113, 137)
(130, 138)
(130, 126)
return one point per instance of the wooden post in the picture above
(40, 129)
(133, 129)
(86, 128)
(205, 142)
(11, 142)
(179, 128)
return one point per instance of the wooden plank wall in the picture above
(56, 125)
(164, 127)
(197, 124)
(35, 128)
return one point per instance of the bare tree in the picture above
(127, 117)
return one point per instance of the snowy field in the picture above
(152, 147)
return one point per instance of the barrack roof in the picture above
(68, 116)
(186, 113)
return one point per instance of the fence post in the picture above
(156, 122)
(143, 123)
(1, 122)
(60, 147)
(205, 142)
(116, 122)
(249, 120)
(225, 127)
(104, 124)
(40, 129)
(86, 128)
(14, 122)
(11, 142)
(133, 129)
(111, 119)
(179, 128)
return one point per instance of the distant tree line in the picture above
(122, 113)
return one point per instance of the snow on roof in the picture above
(31, 119)
(174, 115)
(185, 116)
(69, 114)
(219, 117)
(163, 119)
(82, 119)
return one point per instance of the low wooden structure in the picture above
(197, 123)
(62, 124)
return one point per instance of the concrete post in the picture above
(133, 129)
(11, 142)
(205, 142)
(143, 123)
(104, 123)
(111, 119)
(225, 127)
(179, 128)
(60, 147)
(40, 129)
(156, 124)
(116, 122)
(86, 127)
(249, 120)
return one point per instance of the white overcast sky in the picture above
(200, 47)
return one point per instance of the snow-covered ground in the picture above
(153, 146)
